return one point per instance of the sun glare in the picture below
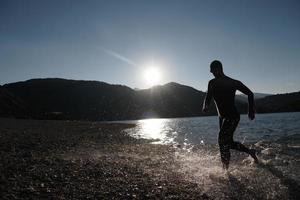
(152, 75)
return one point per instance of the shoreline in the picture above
(64, 159)
(46, 159)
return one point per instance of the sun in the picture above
(152, 75)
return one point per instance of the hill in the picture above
(70, 99)
(243, 98)
(93, 100)
(171, 100)
(54, 98)
(10, 105)
(289, 102)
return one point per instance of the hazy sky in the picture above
(258, 42)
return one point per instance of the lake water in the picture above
(204, 130)
(276, 137)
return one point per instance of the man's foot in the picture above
(252, 153)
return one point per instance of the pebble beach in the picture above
(86, 160)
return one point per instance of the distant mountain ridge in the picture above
(289, 102)
(70, 99)
(257, 95)
(93, 100)
(55, 98)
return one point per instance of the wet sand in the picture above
(86, 160)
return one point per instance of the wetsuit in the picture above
(222, 90)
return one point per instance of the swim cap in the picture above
(216, 65)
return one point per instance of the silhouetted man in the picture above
(222, 89)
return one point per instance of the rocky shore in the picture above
(86, 160)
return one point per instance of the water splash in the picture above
(244, 180)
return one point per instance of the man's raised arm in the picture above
(244, 89)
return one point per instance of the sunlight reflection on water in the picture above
(181, 131)
(154, 129)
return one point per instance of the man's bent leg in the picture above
(240, 147)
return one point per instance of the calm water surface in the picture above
(204, 130)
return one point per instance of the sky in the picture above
(115, 41)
